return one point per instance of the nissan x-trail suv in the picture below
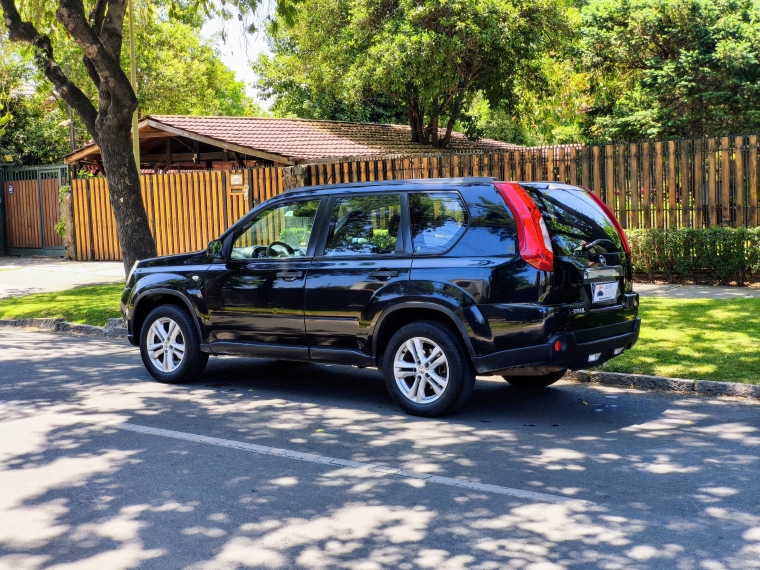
(431, 281)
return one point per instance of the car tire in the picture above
(535, 382)
(179, 358)
(444, 385)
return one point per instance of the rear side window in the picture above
(364, 225)
(574, 221)
(438, 220)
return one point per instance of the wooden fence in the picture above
(185, 211)
(662, 184)
(665, 184)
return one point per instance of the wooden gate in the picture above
(30, 204)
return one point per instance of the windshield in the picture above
(576, 223)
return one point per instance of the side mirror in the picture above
(215, 249)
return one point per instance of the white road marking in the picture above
(313, 458)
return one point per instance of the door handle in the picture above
(383, 273)
(289, 275)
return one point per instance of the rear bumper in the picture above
(574, 355)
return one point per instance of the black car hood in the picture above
(194, 258)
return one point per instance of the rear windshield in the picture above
(575, 221)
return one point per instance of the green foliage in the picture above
(703, 339)
(89, 305)
(551, 115)
(295, 235)
(178, 72)
(382, 239)
(295, 92)
(32, 128)
(713, 254)
(661, 68)
(37, 133)
(430, 57)
(60, 226)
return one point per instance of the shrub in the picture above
(706, 254)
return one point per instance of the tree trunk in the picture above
(124, 188)
(99, 36)
(416, 124)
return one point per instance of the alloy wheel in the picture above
(421, 370)
(166, 344)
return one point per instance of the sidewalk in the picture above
(25, 275)
(694, 291)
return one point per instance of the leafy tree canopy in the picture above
(178, 73)
(662, 68)
(97, 27)
(429, 57)
(284, 78)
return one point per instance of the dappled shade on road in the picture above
(669, 480)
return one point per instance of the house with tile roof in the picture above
(180, 143)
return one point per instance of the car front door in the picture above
(256, 298)
(361, 266)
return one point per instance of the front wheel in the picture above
(535, 382)
(426, 369)
(170, 347)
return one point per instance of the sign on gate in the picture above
(10, 189)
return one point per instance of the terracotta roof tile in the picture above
(304, 139)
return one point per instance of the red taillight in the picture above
(613, 219)
(532, 233)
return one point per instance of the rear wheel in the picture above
(170, 347)
(535, 382)
(426, 369)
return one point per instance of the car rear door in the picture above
(360, 267)
(592, 269)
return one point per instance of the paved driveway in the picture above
(283, 465)
(26, 275)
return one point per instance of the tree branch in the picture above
(71, 14)
(112, 31)
(20, 31)
(97, 14)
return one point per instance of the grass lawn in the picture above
(711, 339)
(89, 305)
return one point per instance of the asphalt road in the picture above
(102, 468)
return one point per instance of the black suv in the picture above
(432, 281)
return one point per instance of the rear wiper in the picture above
(587, 246)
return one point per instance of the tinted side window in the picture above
(438, 220)
(364, 225)
(282, 231)
(492, 226)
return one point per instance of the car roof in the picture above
(382, 185)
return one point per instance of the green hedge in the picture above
(704, 255)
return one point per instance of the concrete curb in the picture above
(680, 385)
(114, 328)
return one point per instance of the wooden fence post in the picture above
(739, 181)
(672, 204)
(712, 188)
(659, 190)
(699, 184)
(752, 181)
(686, 201)
(634, 183)
(725, 182)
